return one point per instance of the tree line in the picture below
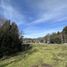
(10, 40)
(56, 37)
(59, 37)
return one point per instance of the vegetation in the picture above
(59, 37)
(55, 38)
(65, 34)
(39, 56)
(10, 39)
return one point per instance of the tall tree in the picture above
(9, 38)
(65, 34)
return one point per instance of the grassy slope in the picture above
(39, 56)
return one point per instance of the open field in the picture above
(39, 56)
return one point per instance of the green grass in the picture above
(39, 56)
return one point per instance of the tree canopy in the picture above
(10, 39)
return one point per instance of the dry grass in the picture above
(39, 56)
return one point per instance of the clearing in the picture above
(39, 56)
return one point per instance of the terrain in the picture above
(41, 55)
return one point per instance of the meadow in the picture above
(43, 55)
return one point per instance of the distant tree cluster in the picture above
(55, 38)
(59, 37)
(10, 39)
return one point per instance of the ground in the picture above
(51, 55)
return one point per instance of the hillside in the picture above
(39, 56)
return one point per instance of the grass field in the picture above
(39, 56)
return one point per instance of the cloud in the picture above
(42, 11)
(30, 14)
(46, 11)
(49, 10)
(40, 33)
(9, 12)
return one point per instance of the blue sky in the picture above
(36, 18)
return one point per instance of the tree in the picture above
(9, 39)
(65, 34)
(55, 38)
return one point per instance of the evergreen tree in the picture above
(65, 34)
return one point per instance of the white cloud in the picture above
(49, 10)
(43, 11)
(41, 33)
(46, 10)
(10, 12)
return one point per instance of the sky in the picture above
(35, 18)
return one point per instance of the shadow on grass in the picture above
(19, 57)
(25, 48)
(6, 64)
